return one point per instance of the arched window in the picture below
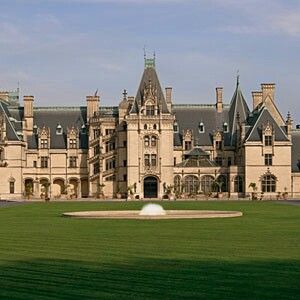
(146, 141)
(154, 126)
(153, 141)
(177, 181)
(268, 183)
(206, 184)
(238, 184)
(222, 179)
(191, 184)
(225, 127)
(145, 126)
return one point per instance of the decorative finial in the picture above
(237, 77)
(124, 94)
(145, 52)
(96, 93)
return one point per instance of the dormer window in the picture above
(175, 127)
(225, 127)
(73, 143)
(44, 143)
(201, 127)
(150, 110)
(83, 129)
(35, 129)
(59, 129)
(268, 140)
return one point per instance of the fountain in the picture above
(153, 211)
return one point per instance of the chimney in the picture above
(92, 103)
(219, 100)
(28, 113)
(268, 90)
(169, 98)
(257, 98)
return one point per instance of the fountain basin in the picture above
(169, 214)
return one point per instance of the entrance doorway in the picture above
(150, 187)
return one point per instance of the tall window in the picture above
(238, 184)
(146, 141)
(44, 161)
(206, 183)
(110, 146)
(73, 143)
(188, 145)
(73, 162)
(11, 187)
(150, 110)
(268, 159)
(268, 140)
(44, 143)
(150, 160)
(96, 168)
(96, 150)
(110, 164)
(153, 141)
(96, 133)
(191, 184)
(268, 183)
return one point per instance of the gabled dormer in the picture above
(44, 137)
(73, 137)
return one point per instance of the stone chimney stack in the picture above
(268, 90)
(257, 97)
(92, 103)
(169, 98)
(219, 99)
(28, 113)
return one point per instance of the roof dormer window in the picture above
(59, 130)
(225, 127)
(176, 127)
(83, 129)
(35, 129)
(201, 127)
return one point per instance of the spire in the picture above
(238, 111)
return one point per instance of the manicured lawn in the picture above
(46, 256)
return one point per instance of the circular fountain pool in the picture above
(154, 211)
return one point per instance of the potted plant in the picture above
(217, 185)
(118, 194)
(285, 194)
(169, 192)
(254, 190)
(45, 191)
(100, 193)
(28, 190)
(130, 190)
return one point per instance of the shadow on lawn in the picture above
(155, 279)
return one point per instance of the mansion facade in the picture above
(147, 146)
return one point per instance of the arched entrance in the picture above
(150, 187)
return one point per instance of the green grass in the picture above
(46, 256)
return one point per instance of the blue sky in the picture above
(62, 50)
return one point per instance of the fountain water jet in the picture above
(152, 210)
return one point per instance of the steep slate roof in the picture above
(197, 152)
(11, 133)
(260, 118)
(295, 150)
(149, 75)
(66, 117)
(189, 117)
(238, 106)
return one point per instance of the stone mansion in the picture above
(148, 145)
